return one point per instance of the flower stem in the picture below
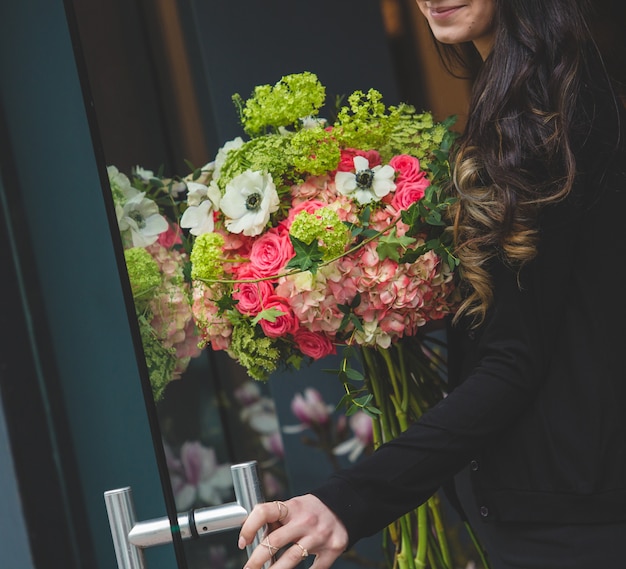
(422, 536)
(434, 506)
(479, 548)
(407, 547)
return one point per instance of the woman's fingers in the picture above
(262, 515)
(301, 527)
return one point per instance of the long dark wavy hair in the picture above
(516, 153)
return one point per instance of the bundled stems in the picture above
(418, 538)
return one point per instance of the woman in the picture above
(533, 434)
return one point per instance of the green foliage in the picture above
(284, 104)
(308, 255)
(365, 122)
(315, 151)
(160, 360)
(144, 274)
(206, 257)
(271, 153)
(323, 227)
(256, 352)
(390, 246)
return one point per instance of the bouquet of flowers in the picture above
(146, 208)
(312, 234)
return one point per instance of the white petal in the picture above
(155, 224)
(141, 239)
(264, 423)
(382, 187)
(345, 182)
(214, 194)
(363, 196)
(199, 219)
(233, 203)
(186, 497)
(195, 193)
(361, 163)
(345, 447)
(294, 429)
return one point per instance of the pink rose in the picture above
(314, 345)
(251, 296)
(346, 162)
(271, 252)
(283, 325)
(411, 182)
(170, 237)
(408, 167)
(409, 192)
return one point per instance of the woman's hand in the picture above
(299, 527)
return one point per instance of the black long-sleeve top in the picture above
(538, 405)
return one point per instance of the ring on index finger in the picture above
(283, 511)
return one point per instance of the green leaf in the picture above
(372, 411)
(368, 233)
(411, 216)
(225, 303)
(390, 246)
(308, 255)
(354, 374)
(269, 314)
(364, 400)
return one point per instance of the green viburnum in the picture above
(315, 151)
(160, 360)
(365, 122)
(324, 227)
(270, 153)
(270, 107)
(144, 274)
(257, 353)
(206, 257)
(417, 134)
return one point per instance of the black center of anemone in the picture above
(253, 202)
(364, 179)
(138, 219)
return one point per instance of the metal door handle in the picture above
(131, 537)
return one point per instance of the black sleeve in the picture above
(511, 354)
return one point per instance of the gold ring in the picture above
(305, 553)
(270, 548)
(282, 510)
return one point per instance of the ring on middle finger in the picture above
(272, 549)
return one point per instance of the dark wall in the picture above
(81, 428)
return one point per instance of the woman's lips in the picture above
(444, 12)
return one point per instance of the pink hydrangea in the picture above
(215, 328)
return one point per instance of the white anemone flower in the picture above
(203, 201)
(140, 218)
(145, 175)
(222, 153)
(366, 184)
(120, 186)
(248, 201)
